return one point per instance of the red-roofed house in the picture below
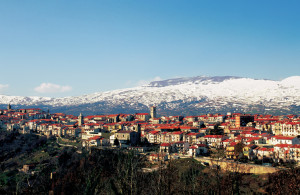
(167, 148)
(88, 134)
(192, 138)
(155, 120)
(176, 136)
(254, 140)
(230, 150)
(157, 157)
(278, 139)
(217, 118)
(127, 137)
(95, 141)
(190, 118)
(295, 153)
(198, 149)
(189, 128)
(281, 152)
(214, 140)
(143, 116)
(262, 152)
(181, 146)
(291, 129)
(226, 142)
(153, 137)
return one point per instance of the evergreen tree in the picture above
(116, 142)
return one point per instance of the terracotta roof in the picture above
(192, 134)
(283, 137)
(283, 145)
(94, 138)
(201, 145)
(213, 136)
(154, 132)
(295, 146)
(177, 132)
(165, 144)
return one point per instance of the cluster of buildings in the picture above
(259, 136)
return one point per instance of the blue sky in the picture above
(70, 48)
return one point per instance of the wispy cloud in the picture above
(145, 82)
(52, 88)
(3, 87)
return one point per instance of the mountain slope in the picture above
(197, 94)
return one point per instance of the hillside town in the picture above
(254, 138)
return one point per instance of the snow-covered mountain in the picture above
(197, 94)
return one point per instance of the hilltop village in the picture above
(265, 139)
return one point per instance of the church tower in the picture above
(153, 112)
(80, 120)
(8, 107)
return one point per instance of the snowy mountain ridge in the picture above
(197, 92)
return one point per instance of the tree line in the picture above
(64, 170)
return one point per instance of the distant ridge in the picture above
(189, 95)
(178, 81)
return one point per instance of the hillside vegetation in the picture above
(65, 170)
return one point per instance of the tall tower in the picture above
(80, 120)
(8, 107)
(153, 112)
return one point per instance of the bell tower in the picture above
(153, 111)
(80, 120)
(8, 107)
